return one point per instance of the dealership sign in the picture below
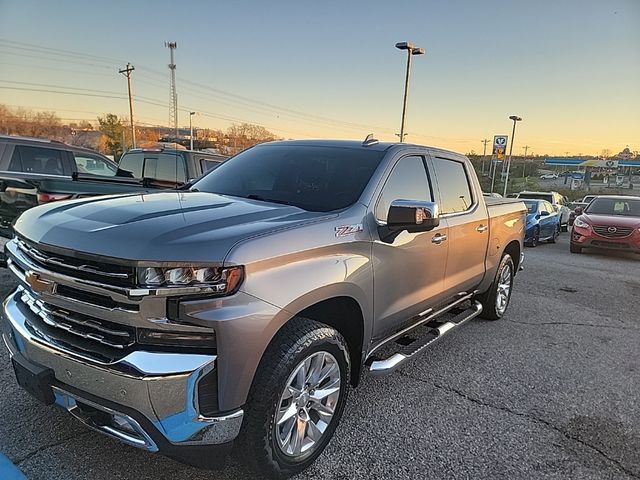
(499, 146)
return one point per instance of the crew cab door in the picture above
(408, 270)
(465, 213)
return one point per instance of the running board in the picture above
(388, 365)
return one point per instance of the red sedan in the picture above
(609, 222)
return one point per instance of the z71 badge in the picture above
(344, 230)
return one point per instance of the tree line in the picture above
(110, 134)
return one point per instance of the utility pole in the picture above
(191, 114)
(524, 161)
(484, 154)
(173, 96)
(127, 73)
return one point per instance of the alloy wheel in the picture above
(505, 279)
(307, 404)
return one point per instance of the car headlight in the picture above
(580, 223)
(218, 280)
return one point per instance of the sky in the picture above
(302, 69)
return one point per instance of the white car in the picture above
(548, 176)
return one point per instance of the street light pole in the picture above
(191, 114)
(515, 119)
(411, 51)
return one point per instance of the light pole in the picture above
(515, 119)
(411, 51)
(191, 114)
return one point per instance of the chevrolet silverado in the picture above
(244, 309)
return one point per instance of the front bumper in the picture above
(586, 238)
(146, 399)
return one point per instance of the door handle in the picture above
(438, 239)
(482, 228)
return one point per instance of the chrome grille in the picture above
(62, 323)
(611, 231)
(117, 275)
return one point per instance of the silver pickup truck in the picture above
(244, 309)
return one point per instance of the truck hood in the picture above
(159, 227)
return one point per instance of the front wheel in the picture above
(496, 300)
(556, 234)
(297, 398)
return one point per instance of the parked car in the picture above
(543, 222)
(587, 198)
(548, 176)
(243, 308)
(559, 202)
(573, 206)
(169, 164)
(492, 195)
(609, 222)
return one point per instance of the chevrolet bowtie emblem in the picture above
(37, 284)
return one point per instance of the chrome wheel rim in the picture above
(307, 404)
(504, 289)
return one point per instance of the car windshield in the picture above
(532, 207)
(315, 178)
(537, 196)
(615, 206)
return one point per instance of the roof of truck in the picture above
(356, 144)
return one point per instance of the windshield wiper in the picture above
(270, 200)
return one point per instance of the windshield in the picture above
(615, 206)
(537, 196)
(314, 178)
(532, 207)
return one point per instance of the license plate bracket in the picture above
(35, 379)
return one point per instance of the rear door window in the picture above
(37, 160)
(455, 192)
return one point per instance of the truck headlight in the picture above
(580, 223)
(221, 280)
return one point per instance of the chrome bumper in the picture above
(156, 391)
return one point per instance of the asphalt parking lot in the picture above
(550, 391)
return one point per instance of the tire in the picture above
(556, 234)
(261, 437)
(536, 238)
(565, 227)
(489, 299)
(573, 248)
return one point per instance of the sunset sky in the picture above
(570, 68)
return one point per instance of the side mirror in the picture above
(579, 210)
(410, 215)
(544, 213)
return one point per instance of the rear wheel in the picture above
(573, 248)
(297, 398)
(556, 234)
(535, 239)
(496, 300)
